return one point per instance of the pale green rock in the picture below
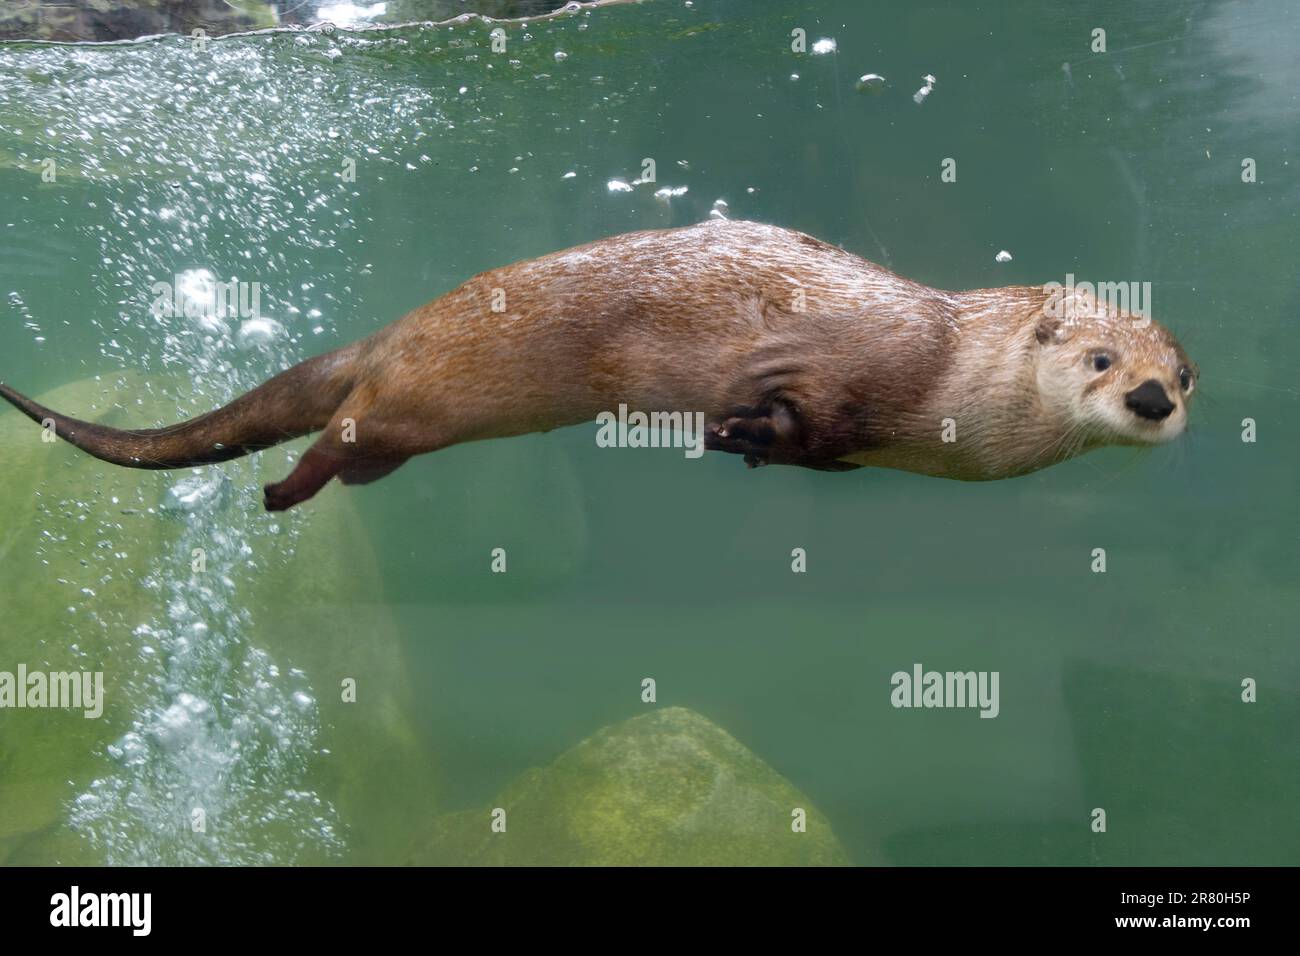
(87, 557)
(668, 788)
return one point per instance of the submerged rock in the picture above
(667, 788)
(227, 638)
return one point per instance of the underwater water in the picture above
(228, 637)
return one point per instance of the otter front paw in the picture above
(762, 435)
(739, 436)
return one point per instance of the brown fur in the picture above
(796, 351)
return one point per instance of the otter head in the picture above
(1118, 378)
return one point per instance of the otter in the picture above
(796, 351)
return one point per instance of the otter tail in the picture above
(296, 402)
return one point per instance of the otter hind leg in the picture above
(360, 444)
(314, 471)
(310, 475)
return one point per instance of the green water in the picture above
(1119, 691)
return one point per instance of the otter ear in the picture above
(1051, 331)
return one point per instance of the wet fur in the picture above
(796, 351)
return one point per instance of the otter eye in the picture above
(1185, 378)
(1101, 361)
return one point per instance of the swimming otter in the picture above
(796, 351)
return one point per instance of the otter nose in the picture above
(1149, 400)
